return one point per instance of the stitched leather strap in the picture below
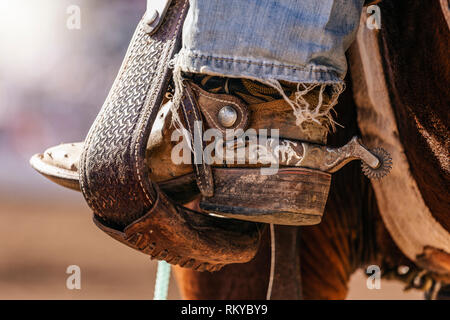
(113, 174)
(192, 116)
(211, 103)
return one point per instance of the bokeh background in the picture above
(53, 82)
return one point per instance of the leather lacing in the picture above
(156, 253)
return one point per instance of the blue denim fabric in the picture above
(293, 40)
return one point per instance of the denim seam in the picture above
(263, 64)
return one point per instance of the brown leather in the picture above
(278, 114)
(262, 115)
(291, 196)
(435, 260)
(187, 238)
(194, 121)
(273, 114)
(113, 173)
(210, 105)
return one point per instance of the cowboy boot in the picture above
(294, 191)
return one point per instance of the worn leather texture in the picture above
(177, 235)
(113, 173)
(191, 113)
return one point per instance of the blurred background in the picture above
(53, 81)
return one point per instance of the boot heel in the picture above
(292, 196)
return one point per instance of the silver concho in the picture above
(227, 116)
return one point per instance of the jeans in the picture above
(301, 41)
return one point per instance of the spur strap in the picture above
(192, 116)
(113, 174)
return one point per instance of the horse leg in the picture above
(235, 281)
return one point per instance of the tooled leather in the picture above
(210, 104)
(203, 172)
(113, 173)
(114, 176)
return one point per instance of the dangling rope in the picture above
(163, 273)
(162, 281)
(272, 261)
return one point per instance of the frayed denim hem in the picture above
(268, 74)
(194, 62)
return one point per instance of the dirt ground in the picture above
(41, 237)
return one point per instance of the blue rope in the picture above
(162, 281)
